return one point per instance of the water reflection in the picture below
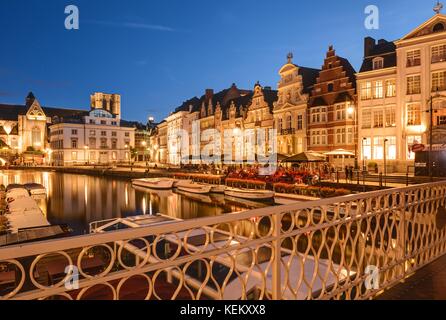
(77, 200)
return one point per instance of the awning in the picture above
(306, 157)
(340, 152)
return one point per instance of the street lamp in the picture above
(351, 110)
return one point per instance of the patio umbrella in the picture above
(306, 157)
(280, 157)
(340, 152)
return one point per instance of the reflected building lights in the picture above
(144, 205)
(86, 194)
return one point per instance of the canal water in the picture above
(78, 200)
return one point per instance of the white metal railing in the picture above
(312, 250)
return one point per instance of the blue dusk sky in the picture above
(157, 54)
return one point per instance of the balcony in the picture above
(413, 63)
(439, 58)
(286, 132)
(439, 88)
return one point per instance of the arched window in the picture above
(36, 137)
(439, 27)
(288, 121)
(279, 125)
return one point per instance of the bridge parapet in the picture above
(351, 247)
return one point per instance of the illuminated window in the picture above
(378, 119)
(300, 122)
(414, 84)
(378, 148)
(366, 91)
(438, 81)
(439, 53)
(414, 114)
(340, 136)
(390, 117)
(36, 137)
(350, 136)
(390, 88)
(379, 90)
(340, 112)
(367, 148)
(391, 148)
(366, 119)
(413, 58)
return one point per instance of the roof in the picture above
(336, 81)
(348, 68)
(241, 98)
(12, 112)
(309, 77)
(383, 49)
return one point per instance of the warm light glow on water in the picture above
(77, 200)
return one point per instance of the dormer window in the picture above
(378, 63)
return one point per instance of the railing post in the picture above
(403, 244)
(277, 249)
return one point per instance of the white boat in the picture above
(251, 194)
(35, 189)
(195, 188)
(218, 189)
(16, 194)
(158, 183)
(178, 183)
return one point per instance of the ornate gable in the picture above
(35, 112)
(434, 25)
(290, 86)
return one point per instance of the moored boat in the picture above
(158, 183)
(195, 188)
(250, 194)
(35, 189)
(178, 183)
(218, 189)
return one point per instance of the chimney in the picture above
(382, 41)
(209, 94)
(369, 44)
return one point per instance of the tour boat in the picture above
(35, 189)
(159, 183)
(194, 188)
(250, 194)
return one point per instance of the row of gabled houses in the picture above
(377, 113)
